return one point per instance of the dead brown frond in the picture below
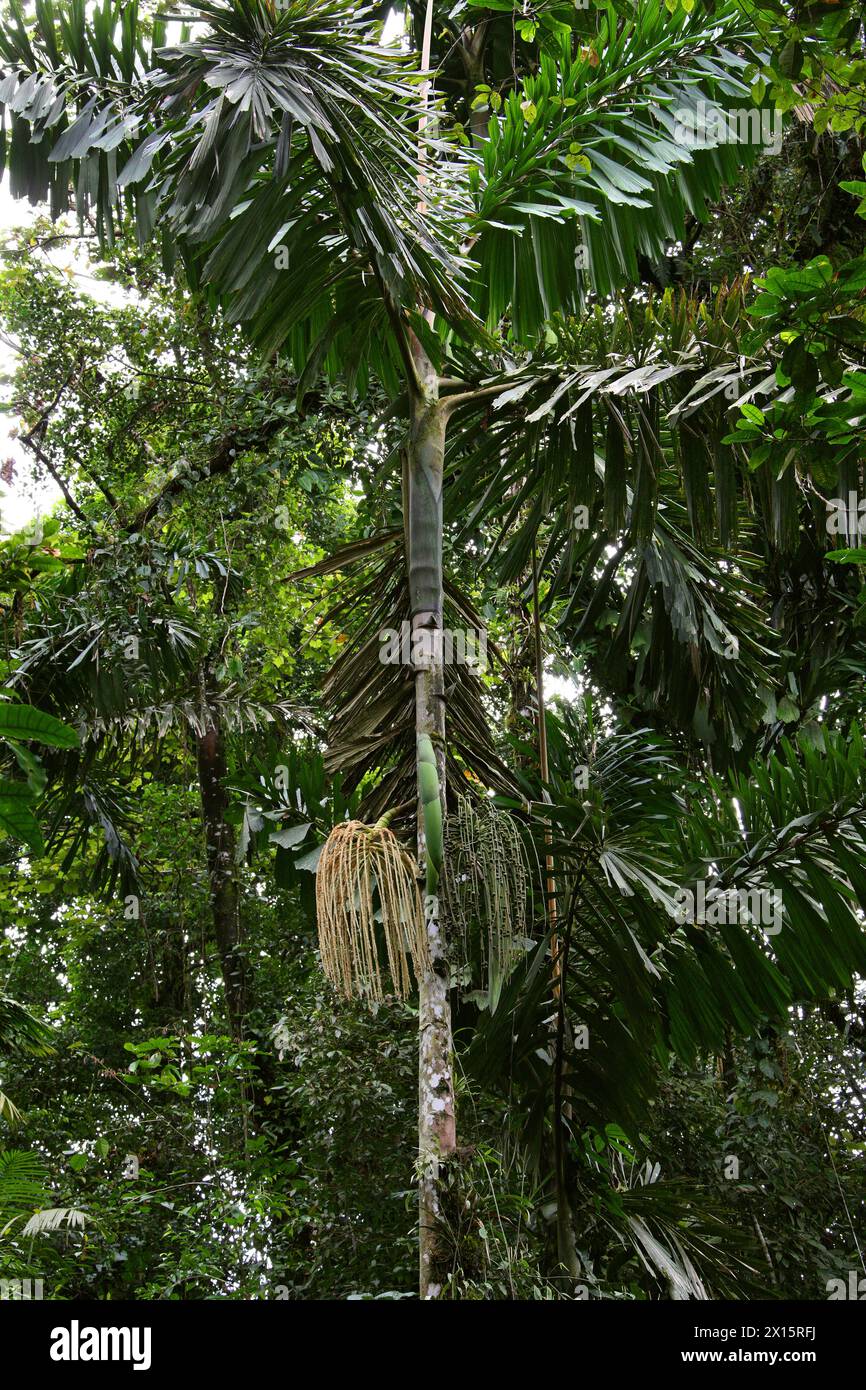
(359, 865)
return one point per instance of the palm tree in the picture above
(172, 683)
(641, 981)
(301, 172)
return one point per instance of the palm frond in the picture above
(21, 1032)
(22, 1184)
(645, 981)
(593, 141)
(9, 1112)
(52, 1218)
(372, 730)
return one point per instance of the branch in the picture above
(70, 500)
(39, 427)
(220, 462)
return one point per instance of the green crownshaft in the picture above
(428, 787)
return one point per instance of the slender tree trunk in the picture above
(437, 1140)
(472, 45)
(544, 770)
(566, 1248)
(565, 1244)
(422, 503)
(220, 843)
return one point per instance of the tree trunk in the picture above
(220, 843)
(565, 1244)
(437, 1140)
(472, 44)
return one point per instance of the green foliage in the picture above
(644, 448)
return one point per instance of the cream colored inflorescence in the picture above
(358, 864)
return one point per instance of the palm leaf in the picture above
(21, 1032)
(592, 141)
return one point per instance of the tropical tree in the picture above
(151, 652)
(316, 183)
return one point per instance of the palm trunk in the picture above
(436, 1125)
(220, 841)
(565, 1244)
